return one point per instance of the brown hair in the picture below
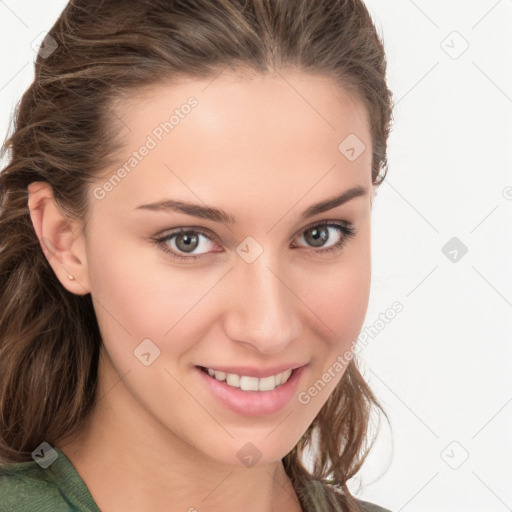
(64, 135)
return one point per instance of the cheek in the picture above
(137, 297)
(338, 307)
(338, 293)
(132, 301)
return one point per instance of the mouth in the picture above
(249, 383)
(248, 395)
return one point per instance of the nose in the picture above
(263, 310)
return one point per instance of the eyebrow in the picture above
(217, 215)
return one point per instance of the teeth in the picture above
(219, 375)
(266, 384)
(251, 383)
(232, 379)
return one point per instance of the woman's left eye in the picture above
(186, 240)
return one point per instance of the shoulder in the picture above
(367, 506)
(25, 487)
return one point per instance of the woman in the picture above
(185, 258)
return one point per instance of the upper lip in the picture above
(251, 371)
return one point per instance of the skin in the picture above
(262, 148)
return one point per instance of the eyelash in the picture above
(347, 230)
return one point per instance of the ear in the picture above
(62, 240)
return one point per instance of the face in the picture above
(268, 285)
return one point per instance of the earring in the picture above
(71, 277)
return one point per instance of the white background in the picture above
(442, 367)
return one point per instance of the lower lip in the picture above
(253, 403)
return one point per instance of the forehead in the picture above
(231, 136)
(247, 102)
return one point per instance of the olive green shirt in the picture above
(27, 487)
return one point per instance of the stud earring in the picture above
(71, 277)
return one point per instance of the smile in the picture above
(251, 395)
(247, 383)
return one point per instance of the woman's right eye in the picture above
(184, 240)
